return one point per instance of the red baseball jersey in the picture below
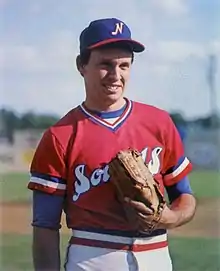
(73, 155)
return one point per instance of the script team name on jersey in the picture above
(84, 183)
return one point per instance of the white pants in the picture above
(88, 258)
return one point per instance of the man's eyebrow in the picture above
(107, 60)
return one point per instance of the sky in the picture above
(39, 41)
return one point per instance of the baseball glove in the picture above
(132, 179)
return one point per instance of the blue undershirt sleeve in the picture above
(47, 210)
(182, 187)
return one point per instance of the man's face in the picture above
(106, 75)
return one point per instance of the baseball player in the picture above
(70, 172)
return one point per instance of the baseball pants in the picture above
(100, 252)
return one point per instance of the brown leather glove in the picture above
(132, 179)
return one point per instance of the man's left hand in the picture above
(144, 216)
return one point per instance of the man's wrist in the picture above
(175, 219)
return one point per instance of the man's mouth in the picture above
(112, 87)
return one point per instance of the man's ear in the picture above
(79, 65)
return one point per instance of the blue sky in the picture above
(39, 43)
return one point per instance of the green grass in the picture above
(16, 252)
(195, 254)
(206, 184)
(188, 254)
(13, 187)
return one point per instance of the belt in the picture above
(94, 239)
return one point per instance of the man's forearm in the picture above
(46, 249)
(184, 209)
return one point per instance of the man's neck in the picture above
(108, 107)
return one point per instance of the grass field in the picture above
(188, 253)
(13, 186)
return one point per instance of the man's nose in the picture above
(115, 73)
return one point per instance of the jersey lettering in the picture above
(100, 175)
(154, 164)
(83, 183)
(144, 154)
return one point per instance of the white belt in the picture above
(118, 242)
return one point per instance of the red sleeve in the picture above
(176, 164)
(48, 169)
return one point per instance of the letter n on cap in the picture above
(118, 28)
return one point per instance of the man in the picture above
(70, 172)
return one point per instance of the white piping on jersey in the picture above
(110, 124)
(178, 170)
(47, 183)
(111, 120)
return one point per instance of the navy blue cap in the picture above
(106, 31)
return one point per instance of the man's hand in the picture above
(181, 211)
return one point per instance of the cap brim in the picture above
(136, 46)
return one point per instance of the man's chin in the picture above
(113, 96)
(113, 99)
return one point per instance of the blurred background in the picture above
(178, 72)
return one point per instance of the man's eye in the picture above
(124, 66)
(106, 64)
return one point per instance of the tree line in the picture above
(10, 121)
(28, 120)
